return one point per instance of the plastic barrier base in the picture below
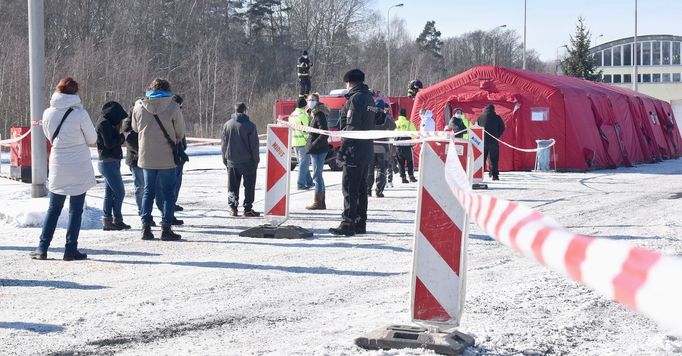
(479, 186)
(414, 337)
(276, 232)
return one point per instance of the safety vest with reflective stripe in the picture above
(299, 117)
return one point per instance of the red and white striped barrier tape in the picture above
(10, 141)
(645, 281)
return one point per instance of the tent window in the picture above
(627, 78)
(627, 55)
(616, 78)
(666, 78)
(616, 55)
(606, 78)
(539, 114)
(677, 77)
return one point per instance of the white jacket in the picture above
(71, 171)
(427, 122)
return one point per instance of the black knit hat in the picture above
(301, 103)
(305, 53)
(354, 76)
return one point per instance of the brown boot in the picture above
(319, 203)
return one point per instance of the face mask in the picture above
(305, 57)
(458, 115)
(312, 104)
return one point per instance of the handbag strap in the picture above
(59, 127)
(165, 133)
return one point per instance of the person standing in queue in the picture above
(493, 125)
(241, 157)
(355, 155)
(300, 138)
(160, 126)
(459, 122)
(68, 127)
(317, 147)
(405, 160)
(379, 163)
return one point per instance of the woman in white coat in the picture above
(68, 127)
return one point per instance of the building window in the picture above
(627, 78)
(666, 78)
(676, 53)
(607, 57)
(646, 53)
(638, 57)
(666, 53)
(617, 78)
(627, 55)
(677, 77)
(646, 78)
(597, 59)
(606, 78)
(616, 55)
(656, 53)
(656, 78)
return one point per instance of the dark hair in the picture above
(315, 95)
(160, 84)
(354, 76)
(67, 86)
(301, 103)
(240, 108)
(403, 112)
(305, 53)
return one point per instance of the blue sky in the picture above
(549, 22)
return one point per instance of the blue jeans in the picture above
(166, 187)
(318, 167)
(138, 181)
(178, 183)
(114, 191)
(76, 203)
(305, 180)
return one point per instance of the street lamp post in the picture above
(635, 57)
(36, 43)
(388, 45)
(495, 44)
(525, 2)
(596, 40)
(558, 62)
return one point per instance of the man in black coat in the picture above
(355, 155)
(379, 163)
(493, 125)
(241, 157)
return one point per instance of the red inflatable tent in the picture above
(595, 125)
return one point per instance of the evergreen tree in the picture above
(579, 63)
(429, 40)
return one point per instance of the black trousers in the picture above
(234, 178)
(405, 161)
(493, 150)
(304, 83)
(378, 164)
(354, 187)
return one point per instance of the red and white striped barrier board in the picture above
(277, 167)
(645, 281)
(440, 240)
(476, 138)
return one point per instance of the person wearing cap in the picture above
(355, 155)
(414, 87)
(494, 128)
(382, 121)
(459, 122)
(303, 69)
(300, 138)
(405, 152)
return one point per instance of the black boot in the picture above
(167, 234)
(38, 255)
(178, 208)
(118, 222)
(405, 181)
(413, 179)
(147, 232)
(177, 222)
(360, 227)
(344, 229)
(75, 256)
(108, 224)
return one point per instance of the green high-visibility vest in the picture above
(299, 117)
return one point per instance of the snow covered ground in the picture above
(218, 294)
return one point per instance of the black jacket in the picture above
(456, 124)
(493, 124)
(318, 143)
(240, 143)
(383, 121)
(358, 115)
(131, 143)
(109, 137)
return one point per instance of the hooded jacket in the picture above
(427, 122)
(357, 115)
(71, 171)
(131, 142)
(109, 137)
(240, 143)
(154, 151)
(383, 121)
(318, 143)
(492, 123)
